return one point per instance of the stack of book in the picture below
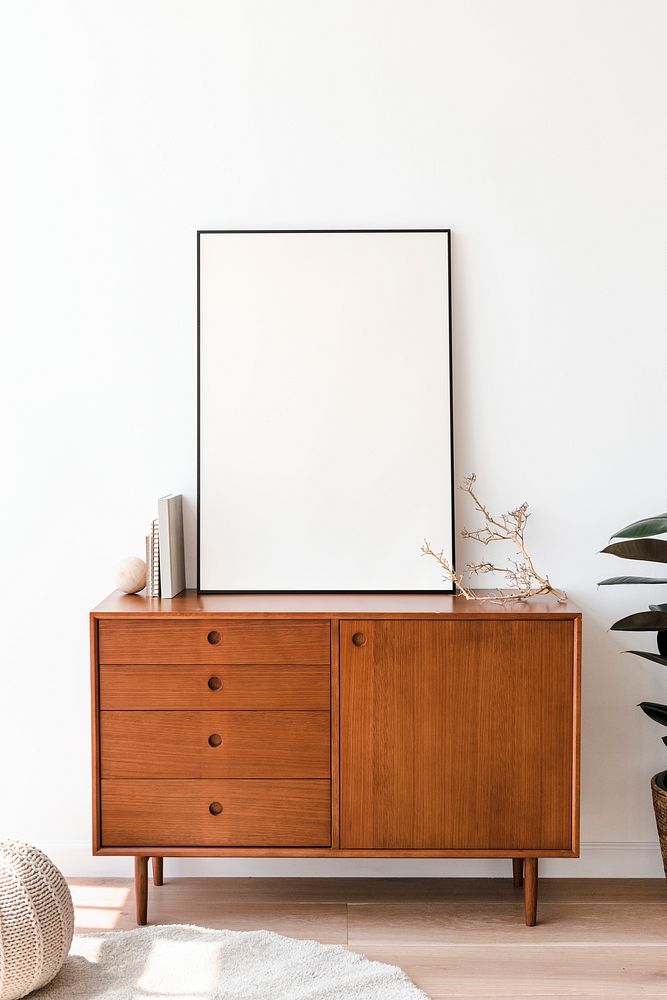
(165, 552)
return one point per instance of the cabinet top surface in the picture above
(190, 603)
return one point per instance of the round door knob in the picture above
(214, 683)
(359, 639)
(215, 808)
(214, 637)
(214, 740)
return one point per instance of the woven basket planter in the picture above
(659, 792)
(36, 919)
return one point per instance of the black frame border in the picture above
(214, 232)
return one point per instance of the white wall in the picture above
(534, 130)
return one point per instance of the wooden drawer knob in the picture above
(214, 683)
(214, 637)
(214, 740)
(359, 639)
(215, 808)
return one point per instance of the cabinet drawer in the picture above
(207, 641)
(199, 687)
(142, 813)
(215, 745)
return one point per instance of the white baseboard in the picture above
(598, 859)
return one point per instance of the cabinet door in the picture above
(457, 735)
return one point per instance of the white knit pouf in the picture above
(36, 919)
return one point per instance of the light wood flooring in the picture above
(595, 938)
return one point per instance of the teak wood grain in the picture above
(530, 891)
(327, 851)
(95, 732)
(257, 607)
(245, 744)
(141, 890)
(184, 686)
(454, 727)
(187, 641)
(256, 813)
(335, 743)
(158, 871)
(457, 735)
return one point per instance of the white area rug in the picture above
(177, 962)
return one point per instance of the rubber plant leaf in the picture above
(654, 657)
(613, 581)
(657, 607)
(643, 621)
(654, 711)
(641, 529)
(647, 549)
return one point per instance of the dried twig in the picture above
(520, 574)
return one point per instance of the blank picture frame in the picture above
(324, 410)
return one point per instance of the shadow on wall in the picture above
(615, 731)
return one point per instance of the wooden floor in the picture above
(455, 937)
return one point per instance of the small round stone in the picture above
(130, 575)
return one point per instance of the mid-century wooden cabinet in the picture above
(335, 726)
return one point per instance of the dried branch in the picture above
(520, 574)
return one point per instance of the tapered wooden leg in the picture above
(530, 892)
(517, 872)
(157, 870)
(141, 890)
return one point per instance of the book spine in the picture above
(155, 558)
(149, 578)
(172, 553)
(177, 546)
(165, 526)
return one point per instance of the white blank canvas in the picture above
(324, 423)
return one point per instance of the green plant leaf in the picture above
(654, 711)
(654, 657)
(643, 621)
(641, 529)
(648, 549)
(657, 607)
(616, 580)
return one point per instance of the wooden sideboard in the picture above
(351, 725)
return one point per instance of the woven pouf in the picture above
(36, 919)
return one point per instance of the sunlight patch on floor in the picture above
(98, 907)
